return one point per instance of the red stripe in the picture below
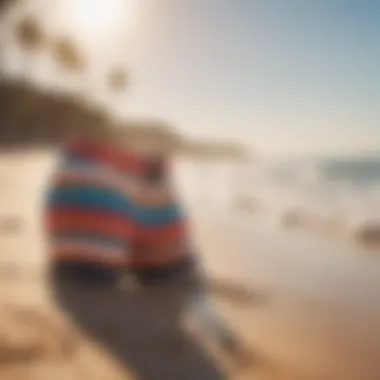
(74, 218)
(89, 257)
(158, 197)
(162, 234)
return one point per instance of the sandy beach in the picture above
(318, 320)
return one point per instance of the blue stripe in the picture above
(89, 196)
(167, 214)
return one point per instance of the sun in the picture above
(99, 18)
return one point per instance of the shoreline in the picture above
(317, 321)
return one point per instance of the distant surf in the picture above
(335, 197)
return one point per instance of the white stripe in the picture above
(94, 169)
(126, 184)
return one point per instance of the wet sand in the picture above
(319, 320)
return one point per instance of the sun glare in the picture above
(98, 18)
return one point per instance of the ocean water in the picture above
(338, 196)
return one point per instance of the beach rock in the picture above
(291, 219)
(368, 236)
(10, 224)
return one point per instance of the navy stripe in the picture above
(91, 240)
(87, 236)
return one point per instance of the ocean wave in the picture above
(305, 196)
(296, 195)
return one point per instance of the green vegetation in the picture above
(29, 116)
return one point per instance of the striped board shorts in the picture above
(88, 208)
(160, 228)
(100, 214)
(161, 237)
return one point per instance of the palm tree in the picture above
(71, 59)
(117, 79)
(30, 37)
(4, 4)
(29, 34)
(68, 55)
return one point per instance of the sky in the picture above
(283, 76)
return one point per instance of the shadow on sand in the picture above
(140, 330)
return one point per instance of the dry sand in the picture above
(290, 336)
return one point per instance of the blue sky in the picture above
(284, 76)
(287, 76)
